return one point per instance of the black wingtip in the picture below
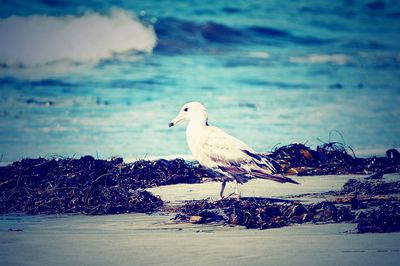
(253, 155)
(292, 181)
(286, 179)
(276, 178)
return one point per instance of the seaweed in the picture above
(371, 213)
(87, 185)
(93, 186)
(331, 158)
(354, 186)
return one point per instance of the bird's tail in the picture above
(267, 164)
(266, 168)
(276, 177)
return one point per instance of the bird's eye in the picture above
(186, 109)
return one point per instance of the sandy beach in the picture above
(139, 239)
(117, 119)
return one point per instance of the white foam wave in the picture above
(39, 39)
(259, 55)
(339, 59)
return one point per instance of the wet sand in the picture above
(260, 188)
(137, 239)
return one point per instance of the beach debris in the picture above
(196, 219)
(372, 212)
(385, 218)
(92, 186)
(332, 158)
(88, 185)
(354, 186)
(377, 175)
(393, 156)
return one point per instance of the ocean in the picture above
(105, 77)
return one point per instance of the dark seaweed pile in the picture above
(354, 186)
(87, 185)
(372, 214)
(92, 186)
(332, 159)
(261, 213)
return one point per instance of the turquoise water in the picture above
(105, 79)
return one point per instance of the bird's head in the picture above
(193, 111)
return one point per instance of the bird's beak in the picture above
(176, 120)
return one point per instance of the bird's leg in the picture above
(237, 192)
(221, 194)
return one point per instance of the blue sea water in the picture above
(105, 77)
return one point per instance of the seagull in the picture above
(215, 149)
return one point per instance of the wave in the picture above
(20, 83)
(339, 59)
(177, 35)
(40, 39)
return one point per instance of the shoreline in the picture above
(364, 153)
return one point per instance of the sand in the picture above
(139, 239)
(259, 188)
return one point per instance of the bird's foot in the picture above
(235, 195)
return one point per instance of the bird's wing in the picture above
(233, 156)
(223, 148)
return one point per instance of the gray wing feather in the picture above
(237, 159)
